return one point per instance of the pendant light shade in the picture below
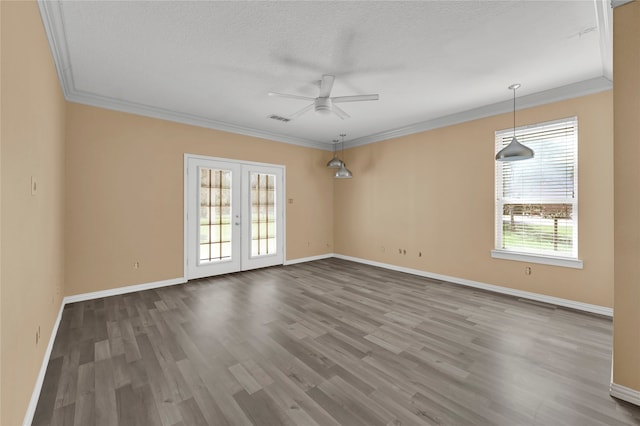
(343, 172)
(515, 151)
(335, 162)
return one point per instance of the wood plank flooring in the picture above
(328, 342)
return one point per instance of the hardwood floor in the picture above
(328, 342)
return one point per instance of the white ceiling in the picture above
(432, 63)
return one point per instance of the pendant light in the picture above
(335, 162)
(343, 172)
(515, 151)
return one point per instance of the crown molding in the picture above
(616, 3)
(582, 88)
(604, 20)
(52, 18)
(51, 14)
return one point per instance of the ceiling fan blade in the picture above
(302, 111)
(339, 112)
(355, 98)
(286, 95)
(326, 85)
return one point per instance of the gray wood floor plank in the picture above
(328, 342)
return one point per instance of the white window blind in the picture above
(537, 199)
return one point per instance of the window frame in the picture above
(543, 257)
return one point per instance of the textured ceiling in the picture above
(432, 63)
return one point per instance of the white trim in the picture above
(35, 395)
(616, 3)
(122, 290)
(185, 215)
(624, 393)
(308, 259)
(604, 20)
(567, 262)
(580, 306)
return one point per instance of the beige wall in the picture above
(626, 336)
(0, 214)
(32, 247)
(433, 193)
(125, 195)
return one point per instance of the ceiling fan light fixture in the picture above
(324, 103)
(515, 151)
(323, 106)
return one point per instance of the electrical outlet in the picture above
(527, 270)
(136, 265)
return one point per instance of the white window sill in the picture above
(567, 262)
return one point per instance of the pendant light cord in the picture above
(514, 112)
(514, 87)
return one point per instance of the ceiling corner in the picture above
(604, 20)
(51, 14)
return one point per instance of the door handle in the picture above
(237, 223)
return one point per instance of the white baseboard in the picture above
(308, 259)
(586, 307)
(624, 393)
(35, 396)
(122, 290)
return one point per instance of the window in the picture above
(536, 200)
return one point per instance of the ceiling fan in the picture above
(325, 103)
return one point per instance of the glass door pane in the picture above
(263, 214)
(215, 215)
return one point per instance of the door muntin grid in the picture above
(215, 221)
(263, 214)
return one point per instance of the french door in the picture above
(234, 216)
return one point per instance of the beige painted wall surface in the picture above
(125, 195)
(32, 243)
(433, 193)
(626, 68)
(0, 213)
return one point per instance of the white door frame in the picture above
(282, 214)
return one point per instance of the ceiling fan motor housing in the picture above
(323, 105)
